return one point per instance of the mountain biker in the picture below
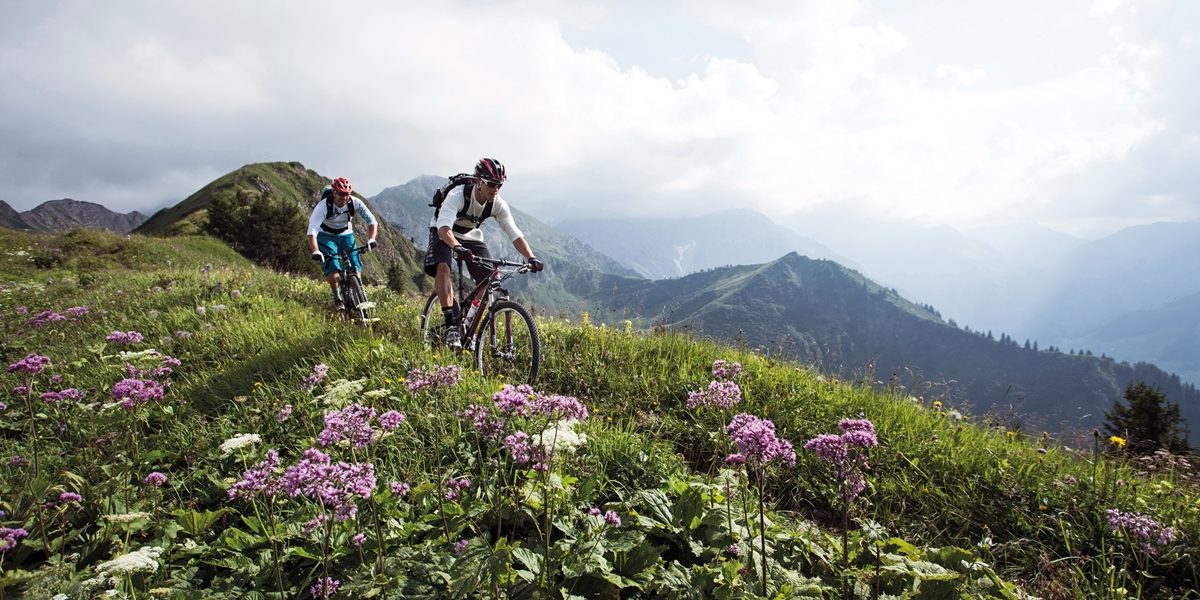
(454, 232)
(330, 231)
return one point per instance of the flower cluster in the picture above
(332, 484)
(391, 420)
(847, 453)
(260, 478)
(124, 337)
(488, 426)
(31, 364)
(9, 537)
(66, 497)
(325, 587)
(1149, 535)
(238, 442)
(561, 437)
(352, 424)
(155, 479)
(399, 488)
(725, 371)
(319, 372)
(456, 487)
(142, 560)
(61, 396)
(130, 392)
(524, 401)
(435, 379)
(756, 443)
(718, 394)
(285, 413)
(44, 317)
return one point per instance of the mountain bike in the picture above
(354, 295)
(496, 328)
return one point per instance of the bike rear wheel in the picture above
(433, 326)
(356, 298)
(508, 344)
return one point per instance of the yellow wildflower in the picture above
(1117, 441)
(937, 404)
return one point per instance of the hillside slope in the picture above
(266, 208)
(57, 216)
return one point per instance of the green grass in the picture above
(952, 508)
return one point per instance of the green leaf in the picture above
(198, 523)
(532, 560)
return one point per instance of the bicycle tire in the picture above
(508, 344)
(432, 324)
(357, 297)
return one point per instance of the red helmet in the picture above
(491, 170)
(342, 185)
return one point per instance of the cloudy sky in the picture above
(1078, 114)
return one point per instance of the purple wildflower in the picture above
(122, 338)
(69, 497)
(319, 372)
(3, 406)
(325, 587)
(133, 392)
(47, 316)
(391, 420)
(285, 413)
(460, 546)
(399, 488)
(1148, 533)
(155, 479)
(259, 478)
(519, 447)
(455, 487)
(718, 394)
(734, 550)
(9, 537)
(352, 423)
(31, 364)
(18, 461)
(612, 518)
(725, 371)
(755, 439)
(22, 310)
(847, 453)
(560, 408)
(594, 511)
(76, 311)
(435, 379)
(56, 378)
(61, 396)
(20, 390)
(488, 426)
(332, 484)
(358, 540)
(514, 400)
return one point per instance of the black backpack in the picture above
(327, 196)
(439, 196)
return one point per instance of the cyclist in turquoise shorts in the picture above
(330, 231)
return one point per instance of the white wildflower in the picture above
(238, 442)
(561, 437)
(200, 310)
(142, 560)
(375, 394)
(149, 355)
(365, 305)
(218, 308)
(127, 517)
(954, 415)
(60, 597)
(341, 392)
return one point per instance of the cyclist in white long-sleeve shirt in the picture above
(454, 232)
(330, 231)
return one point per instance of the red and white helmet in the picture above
(342, 185)
(490, 169)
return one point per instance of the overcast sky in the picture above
(1082, 115)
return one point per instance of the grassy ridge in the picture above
(940, 490)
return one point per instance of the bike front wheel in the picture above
(357, 306)
(508, 344)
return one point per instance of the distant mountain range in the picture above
(659, 248)
(57, 216)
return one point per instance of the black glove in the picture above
(463, 253)
(536, 265)
(317, 256)
(371, 245)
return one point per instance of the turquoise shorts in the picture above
(331, 245)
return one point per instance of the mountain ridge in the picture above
(57, 216)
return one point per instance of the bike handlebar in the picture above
(340, 253)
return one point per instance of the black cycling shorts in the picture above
(438, 252)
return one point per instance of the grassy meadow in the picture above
(178, 423)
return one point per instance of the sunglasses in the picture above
(341, 195)
(495, 185)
